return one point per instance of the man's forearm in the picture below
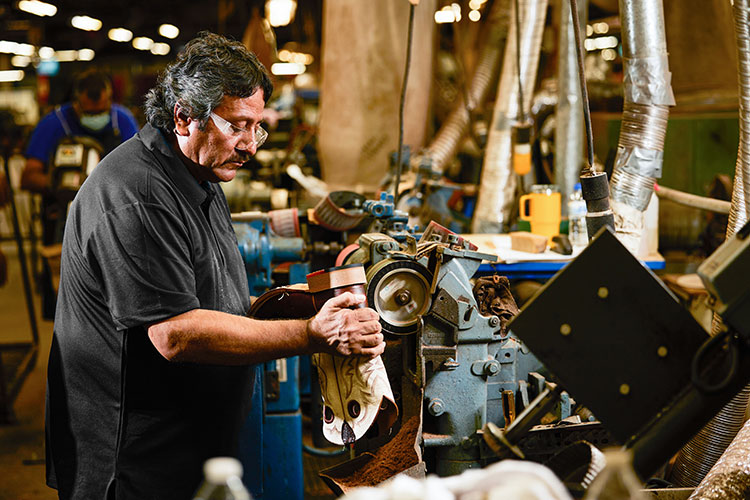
(213, 337)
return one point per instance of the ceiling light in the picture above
(86, 23)
(120, 35)
(160, 49)
(7, 47)
(280, 12)
(11, 75)
(474, 4)
(282, 68)
(20, 61)
(474, 15)
(24, 49)
(143, 43)
(445, 16)
(169, 31)
(37, 8)
(66, 55)
(609, 54)
(86, 54)
(46, 52)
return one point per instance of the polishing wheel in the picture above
(399, 290)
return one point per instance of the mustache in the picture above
(240, 157)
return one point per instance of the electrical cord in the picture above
(695, 365)
(402, 101)
(521, 110)
(584, 92)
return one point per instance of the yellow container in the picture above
(541, 208)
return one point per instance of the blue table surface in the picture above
(545, 269)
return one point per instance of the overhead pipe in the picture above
(569, 113)
(693, 200)
(648, 95)
(702, 452)
(445, 145)
(498, 183)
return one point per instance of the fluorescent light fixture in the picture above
(86, 54)
(443, 16)
(11, 75)
(282, 68)
(20, 61)
(169, 31)
(24, 49)
(86, 23)
(160, 49)
(7, 47)
(280, 12)
(605, 42)
(37, 8)
(46, 53)
(66, 55)
(143, 43)
(475, 15)
(120, 35)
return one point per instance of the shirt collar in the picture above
(156, 140)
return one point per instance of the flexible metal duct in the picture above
(648, 93)
(701, 453)
(729, 479)
(569, 113)
(498, 184)
(445, 144)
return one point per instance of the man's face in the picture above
(84, 105)
(215, 155)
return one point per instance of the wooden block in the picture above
(528, 242)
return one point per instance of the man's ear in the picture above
(181, 121)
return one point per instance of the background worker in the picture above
(91, 115)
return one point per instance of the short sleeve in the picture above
(126, 122)
(143, 254)
(45, 137)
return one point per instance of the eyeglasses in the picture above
(229, 129)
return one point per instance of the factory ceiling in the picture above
(143, 19)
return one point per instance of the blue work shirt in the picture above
(51, 129)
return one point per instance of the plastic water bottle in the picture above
(577, 218)
(222, 480)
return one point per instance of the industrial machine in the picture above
(605, 313)
(452, 362)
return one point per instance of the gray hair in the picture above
(209, 67)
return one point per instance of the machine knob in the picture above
(402, 297)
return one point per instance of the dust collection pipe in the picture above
(498, 184)
(448, 139)
(648, 93)
(569, 113)
(702, 452)
(729, 478)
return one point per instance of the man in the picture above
(150, 362)
(92, 115)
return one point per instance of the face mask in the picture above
(95, 122)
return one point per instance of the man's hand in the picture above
(336, 329)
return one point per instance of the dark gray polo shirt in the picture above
(144, 241)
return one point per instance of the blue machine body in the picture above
(270, 446)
